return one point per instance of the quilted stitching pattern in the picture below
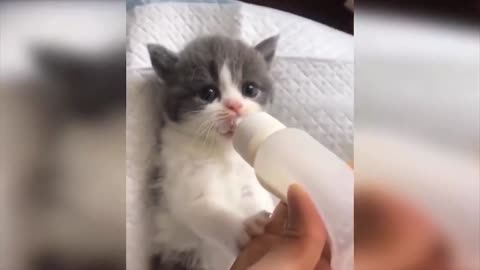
(316, 96)
(174, 24)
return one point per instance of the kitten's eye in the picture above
(208, 93)
(250, 90)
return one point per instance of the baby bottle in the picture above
(282, 156)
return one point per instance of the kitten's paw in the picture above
(253, 226)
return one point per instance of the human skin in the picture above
(390, 233)
(295, 238)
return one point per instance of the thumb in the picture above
(302, 244)
(303, 217)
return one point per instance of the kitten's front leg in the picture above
(212, 221)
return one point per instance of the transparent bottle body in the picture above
(292, 156)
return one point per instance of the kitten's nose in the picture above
(234, 105)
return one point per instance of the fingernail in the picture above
(277, 209)
(293, 211)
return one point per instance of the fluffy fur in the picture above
(211, 202)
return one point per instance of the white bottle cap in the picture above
(252, 132)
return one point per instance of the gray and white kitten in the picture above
(211, 201)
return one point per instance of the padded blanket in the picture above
(313, 74)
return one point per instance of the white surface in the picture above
(316, 96)
(174, 24)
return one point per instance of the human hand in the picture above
(295, 239)
(392, 233)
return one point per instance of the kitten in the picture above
(211, 201)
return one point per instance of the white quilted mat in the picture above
(316, 96)
(313, 74)
(175, 23)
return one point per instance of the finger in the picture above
(255, 250)
(291, 253)
(302, 246)
(323, 264)
(278, 219)
(303, 217)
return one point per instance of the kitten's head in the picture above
(214, 82)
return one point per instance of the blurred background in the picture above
(417, 97)
(333, 13)
(62, 94)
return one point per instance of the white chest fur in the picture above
(207, 195)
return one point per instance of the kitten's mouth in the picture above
(229, 134)
(227, 128)
(227, 131)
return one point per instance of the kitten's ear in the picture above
(267, 48)
(163, 60)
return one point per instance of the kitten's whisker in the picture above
(203, 128)
(203, 131)
(210, 141)
(200, 135)
(196, 111)
(203, 124)
(223, 114)
(205, 134)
